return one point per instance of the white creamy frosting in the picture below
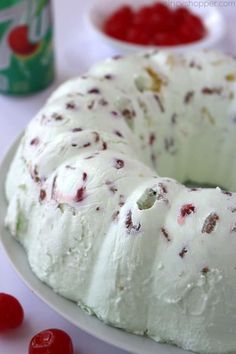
(141, 252)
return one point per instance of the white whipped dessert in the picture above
(102, 228)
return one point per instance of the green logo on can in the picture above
(26, 48)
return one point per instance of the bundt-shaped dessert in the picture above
(101, 227)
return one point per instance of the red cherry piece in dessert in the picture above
(34, 141)
(186, 210)
(85, 176)
(51, 341)
(18, 41)
(156, 24)
(11, 312)
(119, 164)
(80, 195)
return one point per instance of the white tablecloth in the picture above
(77, 48)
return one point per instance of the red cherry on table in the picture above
(51, 341)
(18, 40)
(11, 312)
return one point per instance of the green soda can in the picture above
(26, 46)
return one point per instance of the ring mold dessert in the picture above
(101, 227)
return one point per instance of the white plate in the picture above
(68, 309)
(211, 16)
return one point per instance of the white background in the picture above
(76, 49)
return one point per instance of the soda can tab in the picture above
(26, 46)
